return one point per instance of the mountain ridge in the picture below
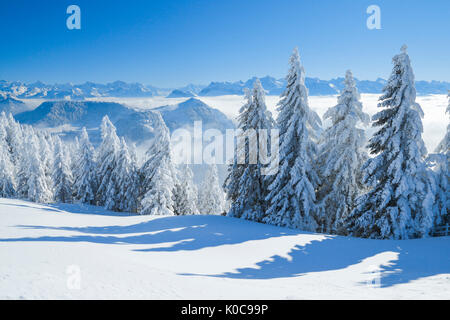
(272, 86)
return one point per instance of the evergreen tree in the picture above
(46, 146)
(158, 175)
(235, 169)
(107, 159)
(444, 145)
(36, 186)
(7, 169)
(211, 198)
(292, 189)
(127, 180)
(398, 204)
(13, 144)
(14, 138)
(186, 194)
(248, 179)
(440, 162)
(62, 175)
(340, 159)
(85, 179)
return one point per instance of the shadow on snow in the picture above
(416, 258)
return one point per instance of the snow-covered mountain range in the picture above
(81, 91)
(316, 86)
(272, 86)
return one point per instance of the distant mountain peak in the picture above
(271, 85)
(181, 94)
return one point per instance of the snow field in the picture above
(203, 257)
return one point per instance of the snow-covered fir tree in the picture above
(74, 148)
(36, 187)
(107, 158)
(47, 154)
(62, 175)
(444, 145)
(341, 157)
(186, 193)
(439, 161)
(85, 178)
(158, 175)
(399, 204)
(14, 139)
(127, 180)
(247, 183)
(292, 190)
(19, 158)
(235, 169)
(7, 169)
(211, 197)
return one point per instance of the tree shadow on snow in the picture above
(68, 208)
(45, 208)
(183, 232)
(80, 208)
(415, 258)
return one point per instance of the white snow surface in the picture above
(203, 257)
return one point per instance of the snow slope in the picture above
(43, 247)
(9, 104)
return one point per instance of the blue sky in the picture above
(173, 43)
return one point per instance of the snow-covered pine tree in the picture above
(36, 186)
(14, 137)
(7, 169)
(292, 190)
(249, 179)
(440, 163)
(134, 204)
(74, 148)
(341, 157)
(186, 193)
(107, 158)
(85, 179)
(127, 180)
(47, 155)
(14, 143)
(398, 204)
(158, 175)
(235, 169)
(444, 145)
(211, 197)
(62, 175)
(29, 152)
